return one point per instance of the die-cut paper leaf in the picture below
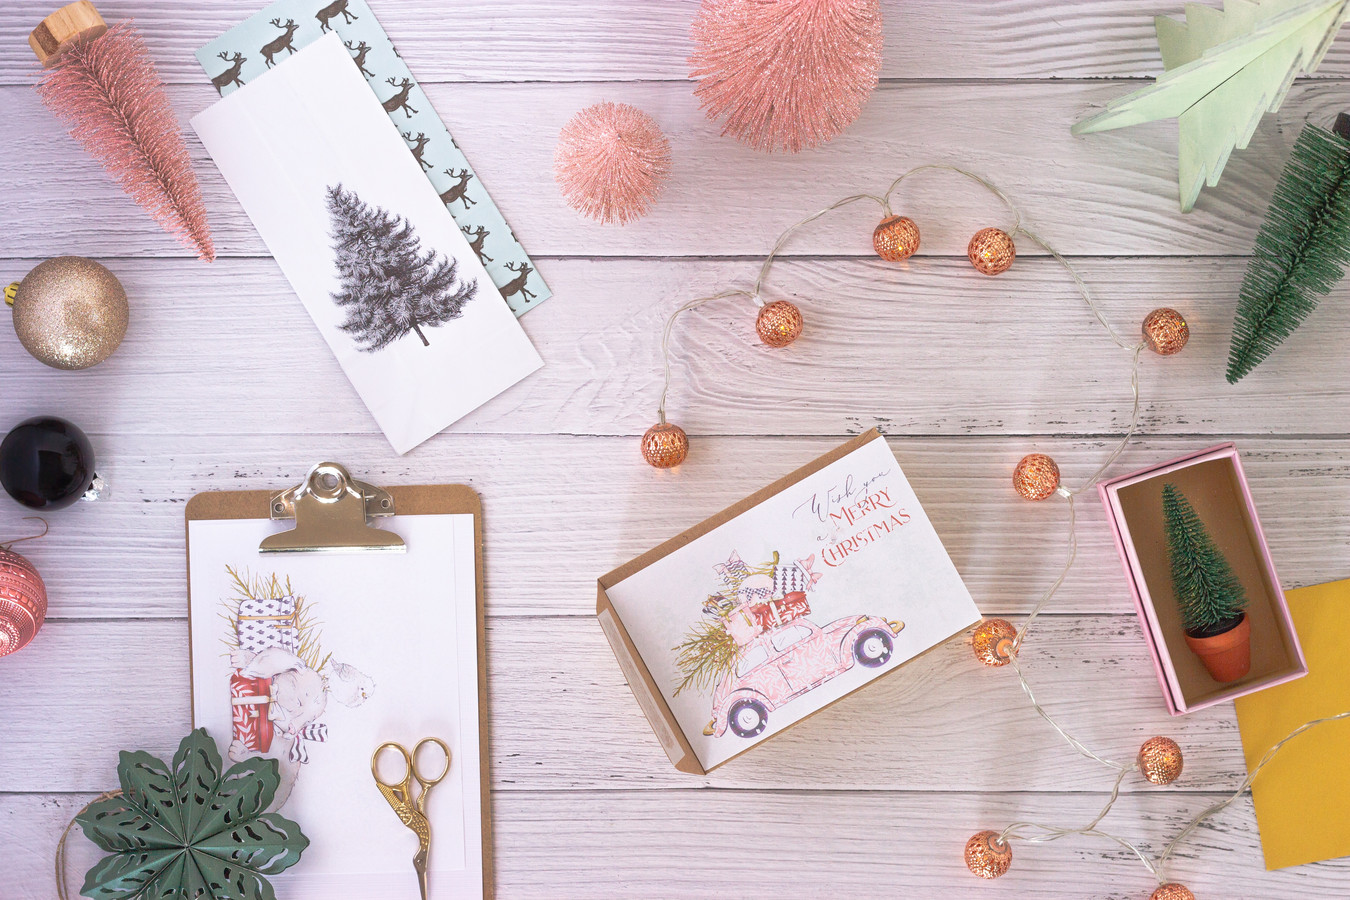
(116, 826)
(148, 786)
(268, 844)
(227, 880)
(125, 875)
(241, 795)
(1222, 72)
(190, 831)
(167, 884)
(196, 772)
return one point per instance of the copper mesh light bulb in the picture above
(665, 445)
(1036, 477)
(896, 238)
(991, 251)
(993, 642)
(779, 323)
(988, 855)
(1165, 331)
(1160, 760)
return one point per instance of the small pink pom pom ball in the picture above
(610, 162)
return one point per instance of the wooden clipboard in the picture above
(310, 534)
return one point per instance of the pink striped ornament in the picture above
(23, 601)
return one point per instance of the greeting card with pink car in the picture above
(794, 603)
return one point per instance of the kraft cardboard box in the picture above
(1217, 488)
(782, 604)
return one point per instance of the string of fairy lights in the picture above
(996, 642)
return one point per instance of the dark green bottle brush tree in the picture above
(1302, 248)
(1208, 593)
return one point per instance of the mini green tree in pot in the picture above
(1210, 596)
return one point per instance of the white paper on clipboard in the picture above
(381, 648)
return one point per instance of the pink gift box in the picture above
(1214, 483)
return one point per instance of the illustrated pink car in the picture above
(784, 663)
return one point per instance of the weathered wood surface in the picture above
(622, 40)
(926, 350)
(563, 510)
(579, 845)
(1109, 194)
(564, 719)
(223, 383)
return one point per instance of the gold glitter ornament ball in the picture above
(1172, 891)
(991, 251)
(1166, 331)
(1160, 760)
(70, 312)
(987, 855)
(993, 642)
(896, 238)
(1036, 476)
(779, 323)
(665, 445)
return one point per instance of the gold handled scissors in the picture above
(412, 812)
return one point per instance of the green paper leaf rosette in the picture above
(190, 829)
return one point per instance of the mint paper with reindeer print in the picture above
(270, 37)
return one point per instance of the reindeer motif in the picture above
(328, 12)
(400, 100)
(360, 50)
(517, 285)
(421, 141)
(230, 75)
(281, 42)
(478, 235)
(457, 191)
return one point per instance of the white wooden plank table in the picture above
(224, 383)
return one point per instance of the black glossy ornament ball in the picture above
(46, 463)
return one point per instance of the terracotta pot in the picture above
(1227, 656)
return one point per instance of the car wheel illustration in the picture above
(872, 648)
(747, 718)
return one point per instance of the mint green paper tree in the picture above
(1223, 70)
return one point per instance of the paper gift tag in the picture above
(380, 265)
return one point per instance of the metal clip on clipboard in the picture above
(331, 510)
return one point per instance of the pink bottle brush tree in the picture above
(786, 74)
(102, 83)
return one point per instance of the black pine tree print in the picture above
(389, 286)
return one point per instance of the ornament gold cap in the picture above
(74, 22)
(11, 291)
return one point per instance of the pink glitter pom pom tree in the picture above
(786, 74)
(107, 91)
(610, 161)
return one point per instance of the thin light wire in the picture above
(1053, 833)
(783, 238)
(665, 340)
(1016, 830)
(1246, 783)
(1070, 739)
(1016, 228)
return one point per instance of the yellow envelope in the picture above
(1302, 796)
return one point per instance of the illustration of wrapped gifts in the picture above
(261, 623)
(281, 680)
(757, 648)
